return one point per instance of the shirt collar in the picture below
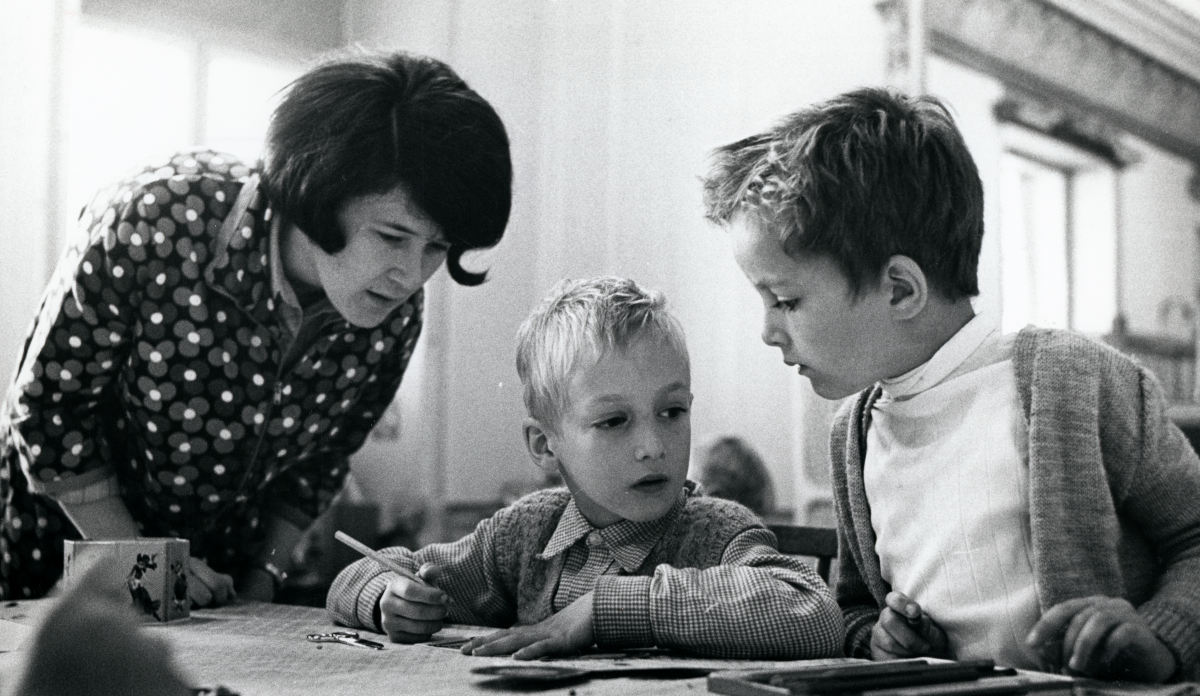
(629, 543)
(951, 359)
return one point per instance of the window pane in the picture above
(242, 92)
(129, 104)
(1033, 244)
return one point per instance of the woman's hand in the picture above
(1102, 637)
(207, 587)
(411, 612)
(903, 630)
(568, 631)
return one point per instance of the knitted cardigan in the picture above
(1114, 493)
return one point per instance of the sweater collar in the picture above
(629, 543)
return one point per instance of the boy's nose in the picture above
(650, 445)
(772, 334)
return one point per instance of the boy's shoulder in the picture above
(707, 511)
(547, 502)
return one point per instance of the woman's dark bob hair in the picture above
(365, 123)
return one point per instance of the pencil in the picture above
(376, 556)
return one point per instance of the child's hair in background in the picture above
(583, 319)
(730, 468)
(860, 178)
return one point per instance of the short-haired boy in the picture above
(629, 557)
(1016, 497)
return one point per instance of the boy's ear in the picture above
(905, 286)
(541, 449)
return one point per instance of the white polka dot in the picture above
(160, 278)
(37, 554)
(106, 364)
(313, 428)
(159, 238)
(190, 215)
(185, 447)
(258, 379)
(155, 356)
(219, 195)
(189, 375)
(175, 507)
(113, 308)
(219, 469)
(346, 403)
(246, 231)
(287, 389)
(194, 300)
(16, 522)
(258, 418)
(287, 422)
(189, 414)
(57, 419)
(152, 427)
(75, 342)
(225, 434)
(148, 199)
(189, 163)
(155, 395)
(320, 398)
(217, 161)
(214, 498)
(118, 271)
(225, 356)
(379, 345)
(193, 337)
(179, 480)
(35, 450)
(350, 372)
(255, 341)
(156, 318)
(226, 396)
(87, 267)
(65, 375)
(76, 449)
(135, 239)
(281, 453)
(114, 337)
(221, 316)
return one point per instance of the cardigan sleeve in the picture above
(468, 575)
(1162, 496)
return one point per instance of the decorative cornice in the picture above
(1156, 28)
(1038, 47)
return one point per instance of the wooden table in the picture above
(261, 649)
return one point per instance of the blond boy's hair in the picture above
(583, 319)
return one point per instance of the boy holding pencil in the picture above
(627, 556)
(1022, 498)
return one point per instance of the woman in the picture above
(223, 337)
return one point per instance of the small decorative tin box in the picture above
(153, 570)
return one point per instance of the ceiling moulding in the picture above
(1041, 47)
(1157, 28)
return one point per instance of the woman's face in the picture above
(391, 249)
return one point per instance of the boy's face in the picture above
(835, 340)
(624, 436)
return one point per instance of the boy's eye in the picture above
(610, 423)
(674, 412)
(786, 305)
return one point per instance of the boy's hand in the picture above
(567, 631)
(411, 612)
(903, 630)
(1101, 637)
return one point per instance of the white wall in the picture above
(612, 107)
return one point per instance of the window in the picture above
(1058, 234)
(135, 97)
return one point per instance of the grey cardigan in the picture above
(1114, 493)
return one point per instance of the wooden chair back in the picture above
(816, 542)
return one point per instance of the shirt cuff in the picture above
(621, 611)
(369, 598)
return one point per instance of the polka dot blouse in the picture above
(156, 363)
